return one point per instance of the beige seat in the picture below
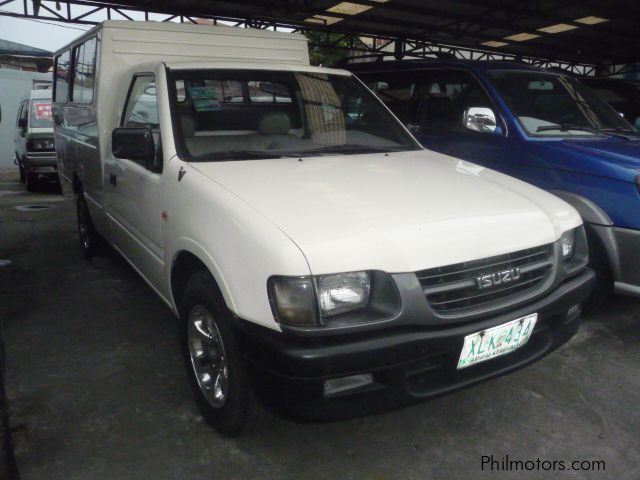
(273, 134)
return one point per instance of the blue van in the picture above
(542, 127)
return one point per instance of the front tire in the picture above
(31, 179)
(216, 371)
(90, 241)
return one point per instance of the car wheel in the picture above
(90, 241)
(31, 179)
(216, 371)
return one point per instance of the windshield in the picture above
(548, 104)
(40, 114)
(250, 114)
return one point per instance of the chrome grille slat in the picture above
(499, 290)
(496, 264)
(445, 287)
(453, 289)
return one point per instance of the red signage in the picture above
(43, 110)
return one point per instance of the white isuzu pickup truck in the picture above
(319, 260)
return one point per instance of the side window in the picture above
(24, 112)
(61, 77)
(398, 91)
(84, 71)
(20, 108)
(141, 109)
(268, 92)
(445, 95)
(212, 93)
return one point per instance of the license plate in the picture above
(496, 341)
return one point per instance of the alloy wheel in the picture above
(208, 356)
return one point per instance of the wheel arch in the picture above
(598, 224)
(187, 260)
(588, 210)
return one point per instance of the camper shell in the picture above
(310, 247)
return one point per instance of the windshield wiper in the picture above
(565, 127)
(240, 155)
(622, 131)
(351, 148)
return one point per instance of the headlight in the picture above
(568, 243)
(343, 292)
(336, 300)
(42, 144)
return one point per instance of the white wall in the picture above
(14, 84)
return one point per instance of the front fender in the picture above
(240, 246)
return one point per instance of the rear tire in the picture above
(91, 242)
(216, 371)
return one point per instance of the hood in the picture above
(615, 158)
(396, 212)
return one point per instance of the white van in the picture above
(35, 154)
(318, 258)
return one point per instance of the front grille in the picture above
(454, 289)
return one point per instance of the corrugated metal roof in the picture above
(18, 49)
(580, 31)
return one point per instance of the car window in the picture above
(40, 114)
(432, 99)
(61, 77)
(445, 96)
(550, 104)
(239, 114)
(398, 91)
(268, 92)
(84, 71)
(141, 109)
(20, 110)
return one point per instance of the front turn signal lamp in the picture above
(568, 243)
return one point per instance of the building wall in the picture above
(14, 85)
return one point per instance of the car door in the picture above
(134, 190)
(445, 96)
(432, 102)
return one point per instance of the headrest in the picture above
(274, 123)
(188, 124)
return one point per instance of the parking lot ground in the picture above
(97, 388)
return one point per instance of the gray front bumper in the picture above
(45, 162)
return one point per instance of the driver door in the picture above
(445, 96)
(134, 190)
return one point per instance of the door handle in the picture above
(113, 179)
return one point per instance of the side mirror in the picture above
(22, 123)
(479, 119)
(134, 144)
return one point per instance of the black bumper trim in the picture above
(407, 363)
(325, 357)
